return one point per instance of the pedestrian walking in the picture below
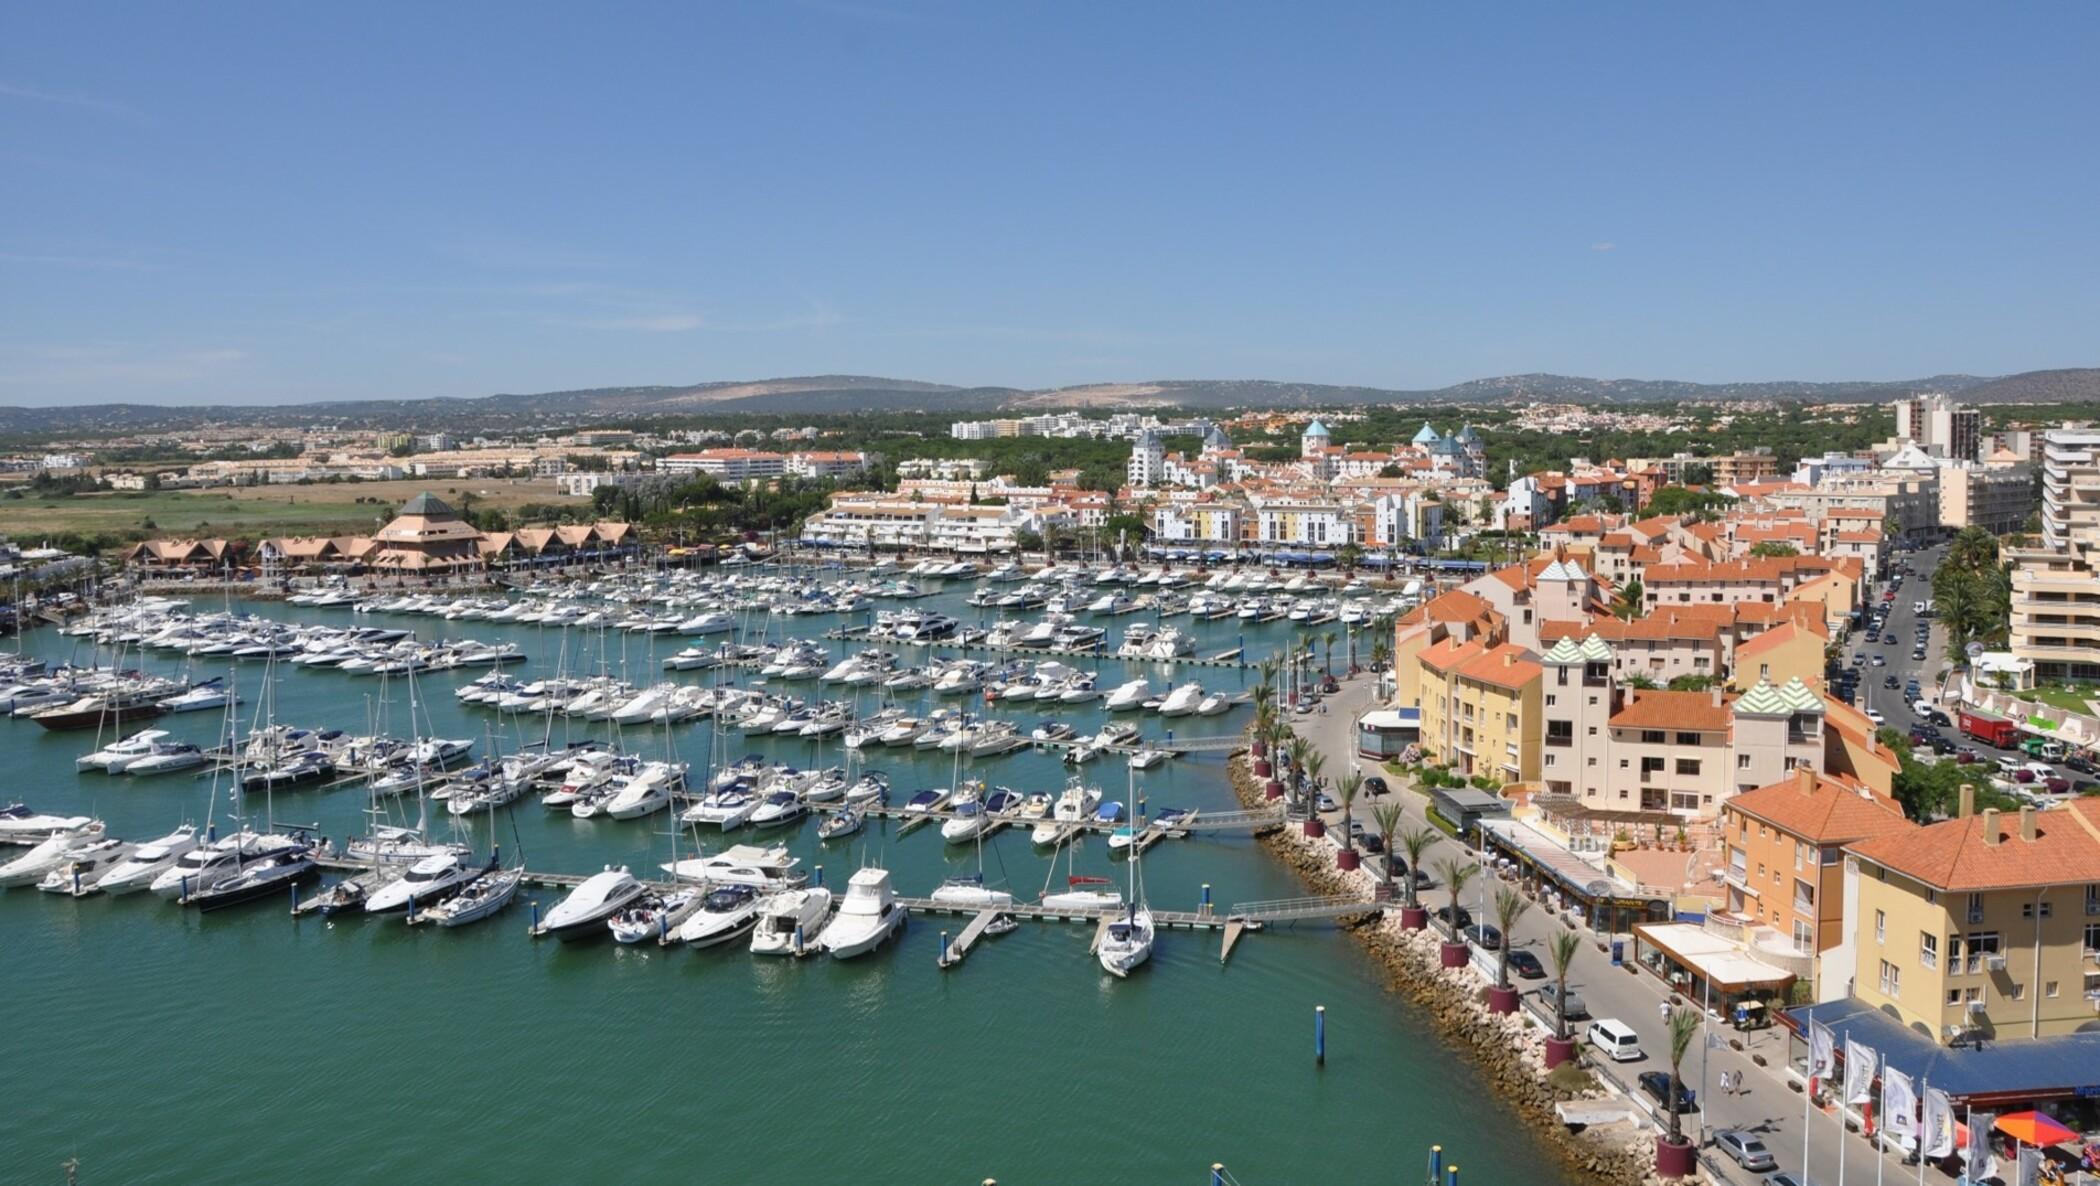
(1666, 1012)
(1727, 1084)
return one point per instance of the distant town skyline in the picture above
(265, 205)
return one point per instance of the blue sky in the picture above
(270, 202)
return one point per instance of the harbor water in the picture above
(156, 1044)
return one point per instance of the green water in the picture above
(159, 1045)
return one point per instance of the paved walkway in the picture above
(1765, 1105)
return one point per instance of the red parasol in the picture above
(2033, 1128)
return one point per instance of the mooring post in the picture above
(1217, 1173)
(1436, 1164)
(1206, 898)
(817, 876)
(535, 904)
(1451, 1175)
(1320, 1034)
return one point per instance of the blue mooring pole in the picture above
(295, 897)
(818, 877)
(1206, 897)
(1436, 1164)
(1217, 1173)
(1451, 1175)
(1320, 1034)
(535, 904)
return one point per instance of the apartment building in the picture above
(727, 465)
(1203, 522)
(1785, 872)
(1616, 748)
(827, 464)
(1480, 709)
(1940, 426)
(1306, 522)
(1996, 498)
(1981, 926)
(2055, 586)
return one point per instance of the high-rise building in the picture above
(1940, 426)
(1148, 460)
(2055, 586)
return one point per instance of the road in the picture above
(1766, 1106)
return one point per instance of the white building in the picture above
(827, 465)
(1200, 522)
(1397, 519)
(1148, 461)
(1299, 522)
(727, 465)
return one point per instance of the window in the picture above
(1688, 767)
(1742, 761)
(1928, 950)
(1975, 907)
(1551, 699)
(1891, 980)
(2092, 938)
(1881, 920)
(2027, 909)
(1652, 736)
(2049, 988)
(1982, 945)
(1954, 996)
(2018, 993)
(2092, 899)
(1687, 739)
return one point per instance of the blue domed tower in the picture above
(1315, 440)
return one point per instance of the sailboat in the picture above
(1128, 940)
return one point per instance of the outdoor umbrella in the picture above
(2033, 1128)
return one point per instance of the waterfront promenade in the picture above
(1766, 1105)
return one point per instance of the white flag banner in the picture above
(1860, 1065)
(1822, 1051)
(1938, 1133)
(1899, 1107)
(1978, 1163)
(2028, 1170)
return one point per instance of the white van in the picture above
(1615, 1040)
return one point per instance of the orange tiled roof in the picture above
(1822, 810)
(1446, 654)
(1505, 666)
(1955, 856)
(1692, 711)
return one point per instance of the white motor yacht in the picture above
(1075, 804)
(968, 892)
(725, 809)
(117, 753)
(585, 910)
(1182, 700)
(149, 861)
(428, 881)
(792, 922)
(1129, 696)
(31, 866)
(646, 791)
(21, 825)
(725, 913)
(778, 808)
(764, 868)
(868, 915)
(83, 866)
(166, 757)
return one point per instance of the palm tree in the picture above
(1627, 605)
(1414, 842)
(1300, 749)
(1327, 667)
(1386, 818)
(1315, 763)
(1509, 907)
(1684, 1026)
(1345, 793)
(1560, 951)
(1456, 872)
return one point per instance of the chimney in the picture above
(1715, 692)
(1806, 776)
(1990, 825)
(1507, 659)
(1968, 801)
(2027, 824)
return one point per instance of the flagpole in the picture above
(1881, 1119)
(1924, 1095)
(1844, 1098)
(1808, 1087)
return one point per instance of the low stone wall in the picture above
(1509, 1050)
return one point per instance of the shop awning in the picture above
(1721, 963)
(2008, 1070)
(1584, 880)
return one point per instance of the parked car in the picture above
(1614, 1039)
(1577, 1009)
(1874, 715)
(1889, 682)
(1746, 1150)
(1786, 1178)
(1325, 803)
(1376, 785)
(1965, 755)
(1464, 917)
(1371, 843)
(1483, 936)
(1525, 965)
(1657, 1085)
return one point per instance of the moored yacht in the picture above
(585, 910)
(792, 922)
(868, 915)
(149, 861)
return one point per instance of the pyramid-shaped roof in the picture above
(1565, 651)
(1317, 429)
(1467, 436)
(427, 505)
(1564, 570)
(1427, 435)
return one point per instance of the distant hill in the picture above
(866, 393)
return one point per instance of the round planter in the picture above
(1262, 768)
(1275, 790)
(1414, 918)
(1260, 749)
(1347, 859)
(1502, 1000)
(1674, 1161)
(1558, 1051)
(1452, 955)
(1315, 828)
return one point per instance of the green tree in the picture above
(1691, 683)
(1345, 793)
(1510, 905)
(1560, 952)
(1684, 1026)
(1456, 872)
(1387, 817)
(1973, 591)
(1414, 842)
(1773, 548)
(1627, 605)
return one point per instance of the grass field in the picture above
(253, 510)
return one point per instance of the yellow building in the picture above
(1983, 925)
(1481, 709)
(1788, 651)
(1456, 615)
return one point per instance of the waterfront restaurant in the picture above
(1609, 904)
(1696, 962)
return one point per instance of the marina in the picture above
(674, 1003)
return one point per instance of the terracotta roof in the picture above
(1772, 639)
(1448, 653)
(1505, 666)
(1691, 711)
(1822, 810)
(1954, 856)
(1456, 606)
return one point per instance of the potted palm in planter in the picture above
(1414, 842)
(1386, 818)
(1274, 789)
(1560, 952)
(1674, 1156)
(1456, 873)
(1347, 858)
(1509, 907)
(1309, 793)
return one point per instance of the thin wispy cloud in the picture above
(1607, 245)
(37, 94)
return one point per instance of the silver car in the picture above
(1746, 1150)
